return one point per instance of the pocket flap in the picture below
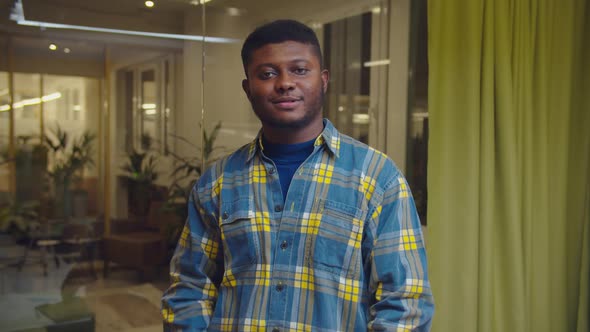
(236, 210)
(341, 209)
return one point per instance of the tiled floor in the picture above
(122, 302)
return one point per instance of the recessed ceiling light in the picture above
(233, 11)
(198, 2)
(316, 25)
(67, 50)
(52, 47)
(149, 3)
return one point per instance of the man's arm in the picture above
(398, 273)
(195, 272)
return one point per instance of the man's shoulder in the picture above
(235, 160)
(355, 149)
(212, 177)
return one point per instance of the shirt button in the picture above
(276, 329)
(271, 170)
(284, 245)
(280, 287)
(278, 208)
(225, 215)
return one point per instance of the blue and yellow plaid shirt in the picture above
(343, 252)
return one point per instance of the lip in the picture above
(286, 102)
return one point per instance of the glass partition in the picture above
(5, 173)
(417, 152)
(129, 108)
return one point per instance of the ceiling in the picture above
(167, 16)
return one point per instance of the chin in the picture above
(287, 123)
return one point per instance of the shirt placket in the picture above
(277, 295)
(283, 242)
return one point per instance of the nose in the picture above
(285, 83)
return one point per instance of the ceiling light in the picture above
(360, 118)
(50, 25)
(52, 47)
(233, 11)
(375, 63)
(67, 50)
(316, 25)
(31, 101)
(198, 2)
(149, 3)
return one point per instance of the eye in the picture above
(267, 74)
(301, 71)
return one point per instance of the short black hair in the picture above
(277, 32)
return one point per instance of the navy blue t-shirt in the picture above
(287, 158)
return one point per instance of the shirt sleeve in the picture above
(399, 286)
(195, 272)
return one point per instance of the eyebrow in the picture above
(272, 65)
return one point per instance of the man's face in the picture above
(286, 85)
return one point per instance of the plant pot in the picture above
(79, 203)
(138, 199)
(63, 199)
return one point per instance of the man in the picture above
(304, 229)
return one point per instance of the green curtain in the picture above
(509, 164)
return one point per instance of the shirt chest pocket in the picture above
(337, 245)
(241, 245)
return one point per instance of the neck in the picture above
(292, 135)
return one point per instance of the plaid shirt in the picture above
(343, 252)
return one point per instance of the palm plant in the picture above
(141, 174)
(185, 173)
(70, 156)
(18, 218)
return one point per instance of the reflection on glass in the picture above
(168, 103)
(27, 104)
(4, 132)
(347, 46)
(149, 108)
(155, 87)
(417, 152)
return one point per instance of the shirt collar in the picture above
(330, 137)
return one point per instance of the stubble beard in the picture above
(311, 113)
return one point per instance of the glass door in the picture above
(355, 54)
(148, 108)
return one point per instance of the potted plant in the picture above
(70, 156)
(17, 219)
(185, 173)
(30, 161)
(140, 175)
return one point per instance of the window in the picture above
(145, 92)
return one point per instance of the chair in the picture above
(145, 247)
(79, 237)
(46, 236)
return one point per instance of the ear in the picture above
(246, 87)
(325, 79)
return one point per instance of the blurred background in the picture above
(110, 109)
